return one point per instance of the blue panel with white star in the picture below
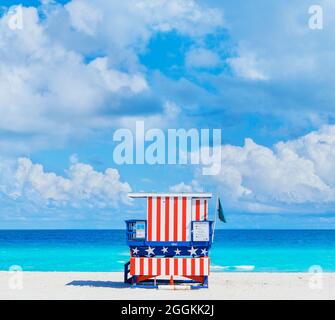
(152, 251)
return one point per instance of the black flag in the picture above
(220, 212)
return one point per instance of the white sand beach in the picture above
(96, 285)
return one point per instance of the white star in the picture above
(192, 251)
(204, 252)
(150, 251)
(164, 250)
(135, 251)
(177, 252)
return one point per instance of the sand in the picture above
(98, 285)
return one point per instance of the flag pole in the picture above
(216, 209)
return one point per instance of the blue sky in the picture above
(78, 70)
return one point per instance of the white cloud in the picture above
(202, 58)
(49, 91)
(84, 16)
(272, 40)
(81, 187)
(183, 187)
(135, 20)
(115, 80)
(170, 114)
(246, 65)
(297, 175)
(123, 29)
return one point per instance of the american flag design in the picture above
(169, 266)
(168, 251)
(169, 218)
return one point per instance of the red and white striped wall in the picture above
(169, 266)
(169, 218)
(199, 209)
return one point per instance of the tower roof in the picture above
(172, 194)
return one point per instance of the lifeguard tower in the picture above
(171, 246)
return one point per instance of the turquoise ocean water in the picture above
(106, 250)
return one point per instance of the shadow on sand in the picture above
(98, 284)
